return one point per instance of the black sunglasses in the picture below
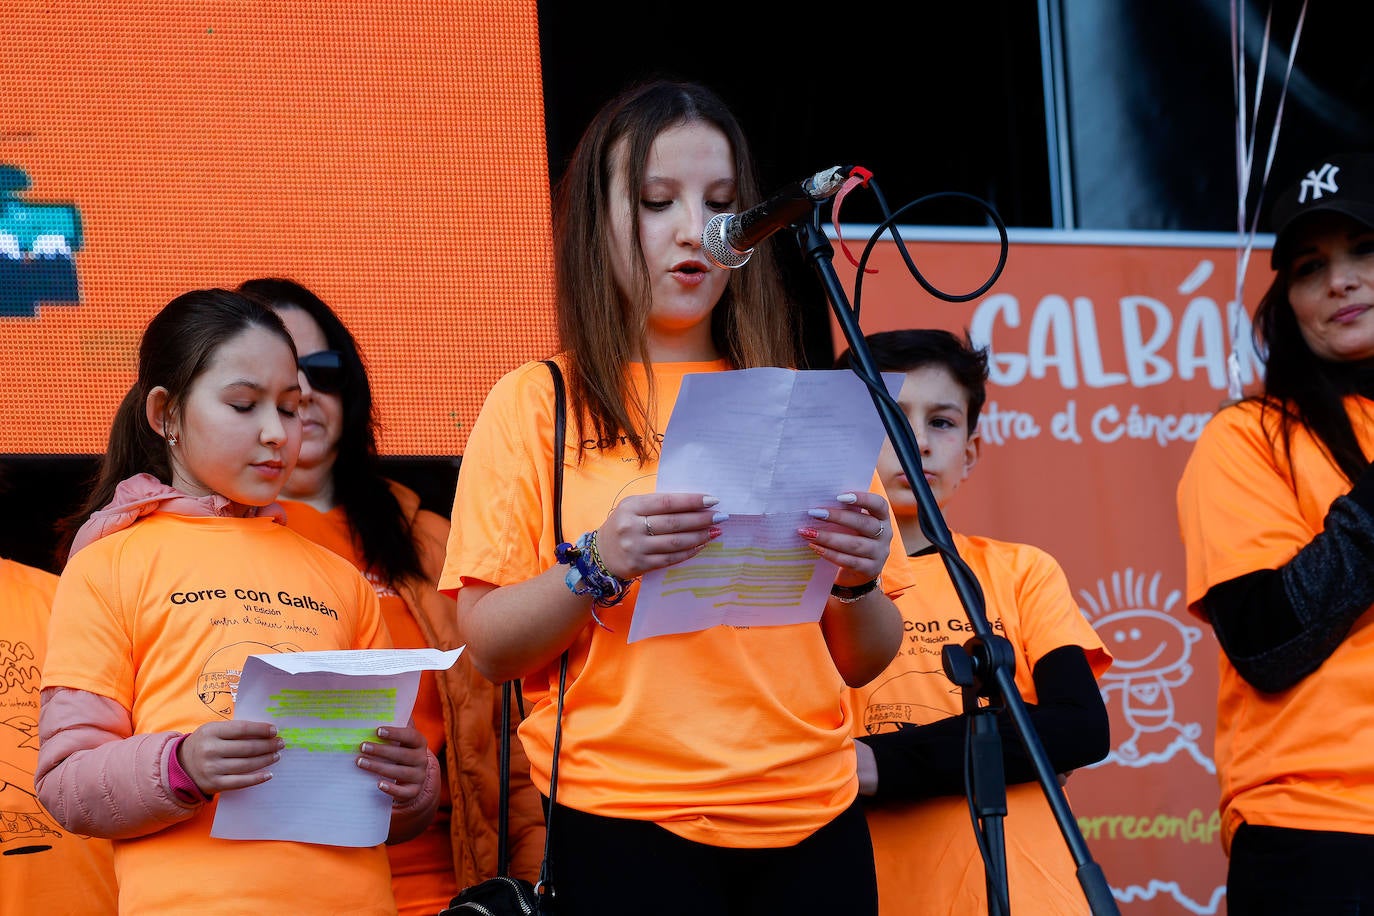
(323, 370)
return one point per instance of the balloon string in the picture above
(1246, 132)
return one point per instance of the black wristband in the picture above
(847, 594)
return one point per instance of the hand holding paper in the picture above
(771, 444)
(397, 756)
(854, 536)
(324, 707)
(653, 530)
(220, 756)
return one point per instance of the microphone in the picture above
(729, 238)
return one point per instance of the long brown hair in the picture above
(752, 324)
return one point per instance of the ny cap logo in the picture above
(1322, 180)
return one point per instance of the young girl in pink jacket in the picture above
(180, 573)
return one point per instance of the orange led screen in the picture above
(390, 156)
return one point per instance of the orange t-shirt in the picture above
(926, 855)
(731, 736)
(422, 868)
(1295, 758)
(159, 617)
(43, 867)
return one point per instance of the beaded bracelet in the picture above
(610, 588)
(587, 575)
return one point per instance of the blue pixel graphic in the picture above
(36, 245)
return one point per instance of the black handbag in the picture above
(505, 895)
(499, 896)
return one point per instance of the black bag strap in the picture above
(513, 686)
(503, 805)
(545, 886)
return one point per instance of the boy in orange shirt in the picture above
(909, 722)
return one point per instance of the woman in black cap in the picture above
(1276, 508)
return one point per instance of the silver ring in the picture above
(647, 527)
(881, 528)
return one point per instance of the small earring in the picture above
(172, 439)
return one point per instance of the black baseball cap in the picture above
(1340, 183)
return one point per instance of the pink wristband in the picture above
(181, 784)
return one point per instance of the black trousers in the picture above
(603, 865)
(1280, 871)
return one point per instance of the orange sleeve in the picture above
(504, 485)
(90, 646)
(1237, 507)
(372, 631)
(1048, 615)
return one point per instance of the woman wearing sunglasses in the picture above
(338, 497)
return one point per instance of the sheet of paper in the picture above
(324, 704)
(770, 444)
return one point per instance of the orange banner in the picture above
(1106, 360)
(390, 156)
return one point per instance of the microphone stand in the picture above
(985, 666)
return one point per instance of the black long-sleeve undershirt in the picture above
(1278, 625)
(923, 761)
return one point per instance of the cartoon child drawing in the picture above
(1152, 649)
